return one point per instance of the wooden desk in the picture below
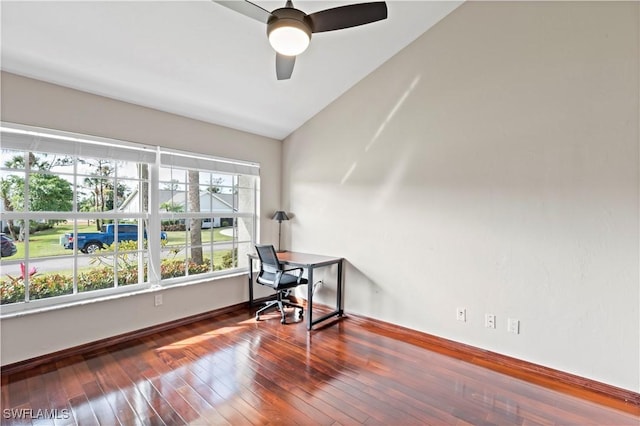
(308, 262)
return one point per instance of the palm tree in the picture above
(195, 232)
(171, 207)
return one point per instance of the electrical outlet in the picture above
(490, 321)
(513, 326)
(158, 299)
(461, 314)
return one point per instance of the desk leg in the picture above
(250, 281)
(310, 299)
(339, 297)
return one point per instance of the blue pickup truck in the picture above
(90, 242)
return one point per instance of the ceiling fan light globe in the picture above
(289, 40)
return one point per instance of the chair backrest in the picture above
(268, 258)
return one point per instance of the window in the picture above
(91, 217)
(206, 219)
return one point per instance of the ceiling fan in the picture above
(289, 29)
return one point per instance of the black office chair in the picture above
(272, 274)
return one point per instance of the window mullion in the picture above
(26, 223)
(153, 233)
(75, 226)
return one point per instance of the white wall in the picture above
(493, 165)
(36, 103)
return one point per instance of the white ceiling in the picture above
(199, 59)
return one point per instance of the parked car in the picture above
(7, 247)
(90, 242)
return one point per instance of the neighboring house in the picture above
(219, 204)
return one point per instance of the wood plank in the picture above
(82, 411)
(114, 382)
(233, 370)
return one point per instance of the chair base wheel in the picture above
(280, 308)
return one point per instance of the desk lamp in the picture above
(280, 216)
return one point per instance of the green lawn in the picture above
(217, 256)
(47, 243)
(179, 237)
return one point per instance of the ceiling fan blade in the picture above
(348, 16)
(284, 66)
(248, 9)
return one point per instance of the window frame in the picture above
(33, 139)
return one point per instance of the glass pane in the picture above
(132, 170)
(57, 163)
(12, 190)
(89, 238)
(172, 190)
(49, 268)
(177, 236)
(224, 257)
(50, 192)
(207, 197)
(50, 279)
(47, 238)
(244, 229)
(129, 270)
(172, 264)
(96, 167)
(225, 231)
(172, 198)
(131, 235)
(12, 159)
(129, 198)
(172, 175)
(11, 281)
(218, 183)
(114, 249)
(97, 194)
(128, 257)
(175, 230)
(188, 252)
(222, 204)
(46, 279)
(246, 200)
(195, 198)
(96, 260)
(244, 249)
(199, 260)
(96, 271)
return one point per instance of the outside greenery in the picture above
(76, 188)
(47, 243)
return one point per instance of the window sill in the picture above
(152, 289)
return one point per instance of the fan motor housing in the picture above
(289, 17)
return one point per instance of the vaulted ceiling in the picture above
(199, 59)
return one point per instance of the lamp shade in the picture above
(280, 216)
(288, 31)
(289, 40)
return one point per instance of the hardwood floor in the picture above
(234, 370)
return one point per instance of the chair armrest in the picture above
(301, 270)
